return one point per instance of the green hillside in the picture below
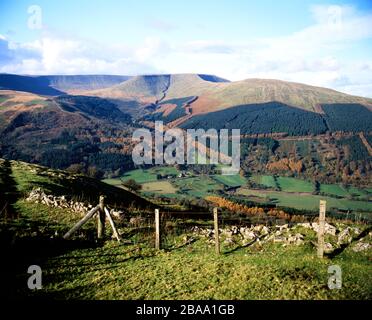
(18, 178)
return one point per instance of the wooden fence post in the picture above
(77, 226)
(216, 232)
(114, 230)
(157, 229)
(322, 211)
(101, 218)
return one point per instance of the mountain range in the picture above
(89, 118)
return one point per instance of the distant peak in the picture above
(212, 78)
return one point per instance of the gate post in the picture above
(322, 211)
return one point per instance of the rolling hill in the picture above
(215, 93)
(92, 125)
(18, 178)
(64, 130)
(55, 85)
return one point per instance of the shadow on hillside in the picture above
(20, 253)
(243, 246)
(8, 191)
(341, 249)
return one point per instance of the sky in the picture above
(322, 43)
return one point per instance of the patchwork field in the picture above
(230, 181)
(143, 175)
(334, 189)
(304, 201)
(162, 187)
(198, 187)
(267, 181)
(282, 191)
(294, 185)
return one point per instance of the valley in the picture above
(67, 140)
(260, 190)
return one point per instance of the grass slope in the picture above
(24, 177)
(195, 272)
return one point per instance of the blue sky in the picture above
(320, 43)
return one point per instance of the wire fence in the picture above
(177, 229)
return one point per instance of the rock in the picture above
(227, 233)
(265, 230)
(328, 228)
(136, 221)
(257, 228)
(39, 196)
(315, 226)
(229, 241)
(188, 239)
(345, 236)
(283, 227)
(246, 241)
(279, 239)
(235, 230)
(296, 239)
(210, 233)
(328, 247)
(116, 213)
(249, 235)
(242, 229)
(361, 246)
(306, 225)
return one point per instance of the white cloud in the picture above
(53, 55)
(313, 55)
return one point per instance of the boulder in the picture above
(296, 239)
(279, 239)
(283, 227)
(249, 235)
(136, 221)
(257, 228)
(235, 230)
(361, 246)
(229, 241)
(328, 247)
(265, 230)
(328, 228)
(345, 236)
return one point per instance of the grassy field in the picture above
(295, 193)
(18, 178)
(306, 202)
(162, 187)
(124, 273)
(143, 175)
(83, 270)
(197, 186)
(267, 181)
(356, 192)
(333, 189)
(288, 184)
(230, 180)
